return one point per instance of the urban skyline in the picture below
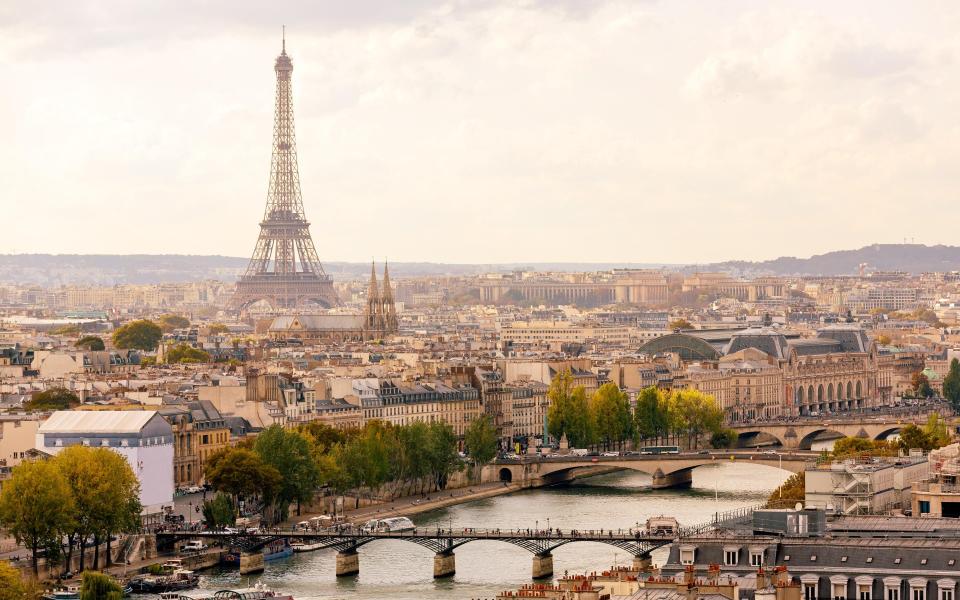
(765, 116)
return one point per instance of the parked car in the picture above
(193, 546)
(610, 454)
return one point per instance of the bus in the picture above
(660, 450)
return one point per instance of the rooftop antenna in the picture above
(284, 38)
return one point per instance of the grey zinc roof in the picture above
(768, 341)
(97, 421)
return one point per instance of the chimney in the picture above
(763, 581)
(689, 575)
(713, 574)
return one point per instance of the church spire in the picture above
(389, 309)
(373, 318)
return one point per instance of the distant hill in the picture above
(112, 269)
(912, 258)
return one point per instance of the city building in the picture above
(864, 485)
(142, 437)
(199, 431)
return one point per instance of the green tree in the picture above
(11, 584)
(610, 414)
(679, 323)
(141, 335)
(852, 446)
(481, 440)
(291, 454)
(57, 398)
(569, 412)
(724, 438)
(217, 328)
(951, 384)
(184, 353)
(650, 415)
(792, 491)
(443, 457)
(241, 473)
(913, 437)
(218, 512)
(170, 322)
(91, 342)
(99, 586)
(36, 506)
(66, 330)
(936, 430)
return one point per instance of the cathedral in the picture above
(378, 320)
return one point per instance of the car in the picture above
(194, 489)
(193, 546)
(704, 452)
(609, 454)
(769, 452)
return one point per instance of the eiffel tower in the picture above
(285, 271)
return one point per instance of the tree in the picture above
(99, 586)
(170, 322)
(852, 446)
(241, 473)
(184, 353)
(679, 323)
(291, 454)
(443, 458)
(724, 438)
(56, 398)
(936, 430)
(481, 440)
(217, 329)
(792, 491)
(218, 512)
(11, 584)
(91, 342)
(951, 384)
(912, 437)
(36, 506)
(141, 335)
(569, 412)
(105, 494)
(650, 415)
(883, 339)
(610, 415)
(66, 330)
(921, 385)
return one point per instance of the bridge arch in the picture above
(807, 441)
(888, 432)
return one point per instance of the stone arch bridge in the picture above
(802, 433)
(667, 470)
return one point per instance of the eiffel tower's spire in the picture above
(285, 270)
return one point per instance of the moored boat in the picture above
(303, 546)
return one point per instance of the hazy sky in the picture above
(484, 131)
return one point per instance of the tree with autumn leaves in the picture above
(78, 495)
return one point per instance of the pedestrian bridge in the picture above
(802, 433)
(667, 470)
(347, 540)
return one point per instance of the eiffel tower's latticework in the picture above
(285, 270)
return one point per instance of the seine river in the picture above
(395, 569)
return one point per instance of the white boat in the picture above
(303, 546)
(389, 525)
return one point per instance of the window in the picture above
(863, 592)
(893, 594)
(839, 591)
(813, 558)
(896, 561)
(730, 557)
(946, 594)
(843, 559)
(869, 559)
(809, 591)
(918, 593)
(756, 558)
(686, 555)
(951, 562)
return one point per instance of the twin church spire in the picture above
(380, 315)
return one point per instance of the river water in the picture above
(392, 569)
